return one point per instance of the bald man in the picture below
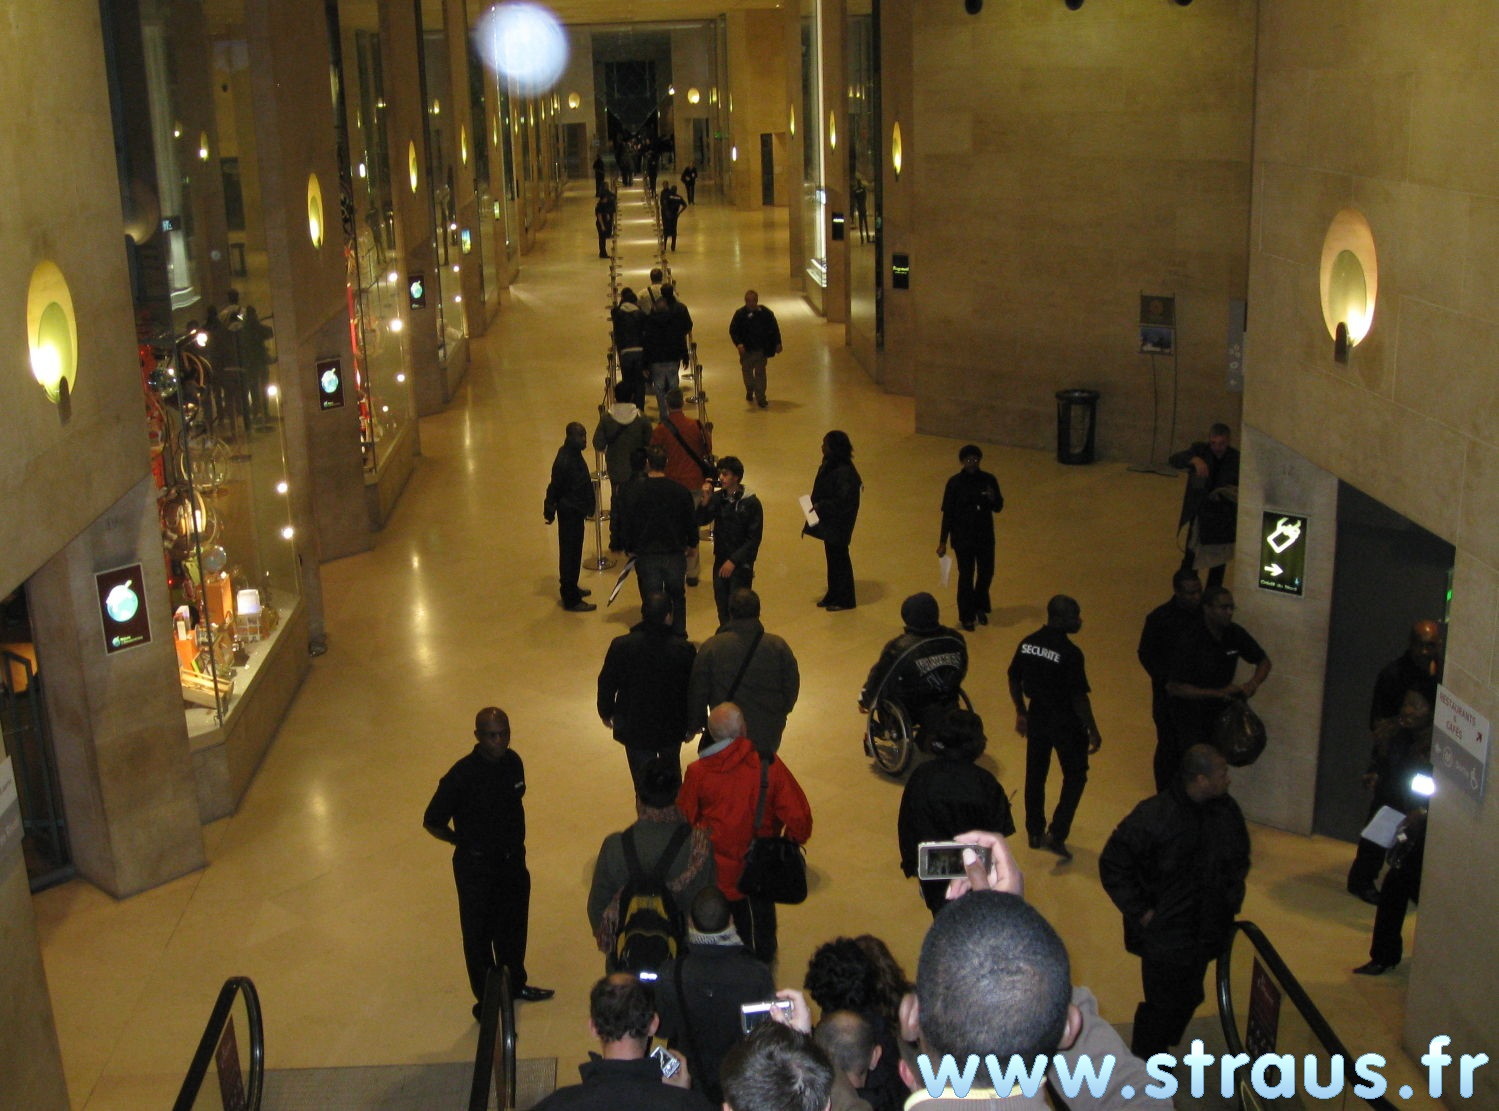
(477, 809)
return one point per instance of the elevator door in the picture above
(1390, 573)
(767, 169)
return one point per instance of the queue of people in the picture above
(1175, 867)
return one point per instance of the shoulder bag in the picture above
(708, 464)
(775, 867)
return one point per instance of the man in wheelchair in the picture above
(921, 671)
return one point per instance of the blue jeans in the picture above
(663, 380)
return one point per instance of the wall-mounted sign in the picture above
(1157, 324)
(837, 226)
(466, 238)
(330, 383)
(900, 271)
(1460, 744)
(1282, 553)
(122, 608)
(416, 289)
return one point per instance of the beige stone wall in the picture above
(1387, 108)
(30, 1059)
(1068, 162)
(757, 91)
(62, 204)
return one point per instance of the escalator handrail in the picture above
(496, 1020)
(1309, 1011)
(208, 1045)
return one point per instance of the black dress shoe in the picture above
(1373, 968)
(531, 994)
(1369, 895)
(834, 607)
(585, 593)
(983, 616)
(1037, 840)
(822, 603)
(1053, 845)
(581, 606)
(967, 626)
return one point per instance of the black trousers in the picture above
(494, 904)
(640, 757)
(840, 574)
(1072, 753)
(755, 919)
(1168, 749)
(975, 560)
(1173, 991)
(723, 588)
(1402, 886)
(569, 554)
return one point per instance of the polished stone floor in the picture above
(326, 891)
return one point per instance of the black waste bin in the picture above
(1077, 419)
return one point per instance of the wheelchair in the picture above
(892, 733)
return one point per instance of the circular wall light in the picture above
(1349, 279)
(412, 166)
(314, 210)
(693, 96)
(52, 331)
(573, 101)
(734, 154)
(202, 146)
(895, 149)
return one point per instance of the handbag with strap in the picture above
(708, 464)
(1239, 734)
(775, 867)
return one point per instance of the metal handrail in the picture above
(496, 1024)
(1308, 1010)
(208, 1046)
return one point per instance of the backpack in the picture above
(651, 928)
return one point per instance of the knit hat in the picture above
(920, 613)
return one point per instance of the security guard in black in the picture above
(1048, 670)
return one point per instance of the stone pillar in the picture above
(30, 1057)
(118, 730)
(294, 137)
(834, 16)
(1280, 789)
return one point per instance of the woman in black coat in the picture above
(835, 499)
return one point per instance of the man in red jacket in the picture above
(687, 442)
(720, 792)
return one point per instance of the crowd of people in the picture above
(690, 955)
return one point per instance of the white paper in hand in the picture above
(944, 565)
(807, 511)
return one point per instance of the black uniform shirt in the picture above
(1050, 669)
(483, 801)
(1201, 661)
(1395, 678)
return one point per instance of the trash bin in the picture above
(1077, 417)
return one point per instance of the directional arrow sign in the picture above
(1283, 540)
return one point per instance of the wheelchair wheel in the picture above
(890, 737)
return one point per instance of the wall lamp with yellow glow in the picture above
(1349, 281)
(896, 152)
(52, 330)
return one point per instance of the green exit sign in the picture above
(1282, 553)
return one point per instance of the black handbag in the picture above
(775, 867)
(1239, 734)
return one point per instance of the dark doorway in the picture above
(767, 169)
(1390, 573)
(27, 740)
(575, 150)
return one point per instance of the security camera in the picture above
(973, 7)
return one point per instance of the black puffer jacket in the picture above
(1185, 861)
